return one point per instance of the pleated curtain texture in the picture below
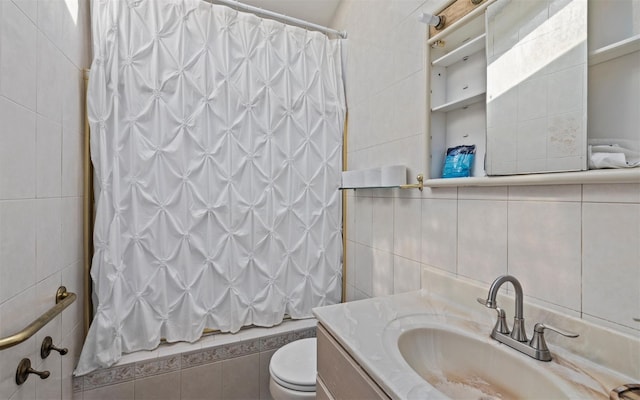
(216, 138)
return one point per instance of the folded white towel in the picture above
(612, 156)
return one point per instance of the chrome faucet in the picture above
(517, 337)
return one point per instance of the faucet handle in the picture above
(486, 302)
(539, 344)
(540, 327)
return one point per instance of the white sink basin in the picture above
(462, 366)
(442, 357)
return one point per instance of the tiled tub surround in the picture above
(44, 46)
(366, 329)
(220, 366)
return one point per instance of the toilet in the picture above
(292, 371)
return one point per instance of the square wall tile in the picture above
(71, 230)
(382, 273)
(49, 68)
(121, 391)
(611, 266)
(382, 226)
(165, 386)
(439, 233)
(546, 193)
(612, 193)
(350, 293)
(483, 193)
(364, 268)
(73, 97)
(17, 150)
(72, 152)
(73, 342)
(50, 19)
(49, 158)
(406, 228)
(48, 237)
(350, 258)
(406, 275)
(75, 30)
(201, 382)
(350, 229)
(544, 250)
(29, 8)
(18, 61)
(265, 359)
(408, 40)
(408, 103)
(359, 122)
(363, 224)
(241, 377)
(26, 391)
(13, 319)
(17, 247)
(72, 279)
(482, 239)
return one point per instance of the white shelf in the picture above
(461, 52)
(629, 175)
(615, 50)
(460, 103)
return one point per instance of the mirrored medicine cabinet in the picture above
(531, 84)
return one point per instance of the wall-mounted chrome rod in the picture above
(63, 300)
(295, 21)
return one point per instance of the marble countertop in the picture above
(368, 330)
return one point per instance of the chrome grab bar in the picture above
(63, 300)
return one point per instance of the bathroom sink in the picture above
(461, 365)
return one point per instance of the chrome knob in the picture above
(24, 369)
(47, 346)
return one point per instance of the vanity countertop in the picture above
(365, 327)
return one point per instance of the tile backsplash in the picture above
(575, 248)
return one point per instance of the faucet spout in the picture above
(517, 338)
(518, 333)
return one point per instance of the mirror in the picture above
(536, 86)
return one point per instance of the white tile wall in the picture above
(44, 45)
(482, 239)
(406, 228)
(574, 247)
(439, 233)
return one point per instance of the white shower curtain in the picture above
(216, 138)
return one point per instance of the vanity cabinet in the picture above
(339, 375)
(457, 112)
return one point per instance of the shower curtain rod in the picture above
(295, 21)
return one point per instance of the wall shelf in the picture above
(629, 175)
(460, 103)
(615, 50)
(419, 185)
(474, 45)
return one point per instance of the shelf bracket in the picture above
(419, 185)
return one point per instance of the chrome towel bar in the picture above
(63, 300)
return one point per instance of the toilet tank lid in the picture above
(295, 362)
